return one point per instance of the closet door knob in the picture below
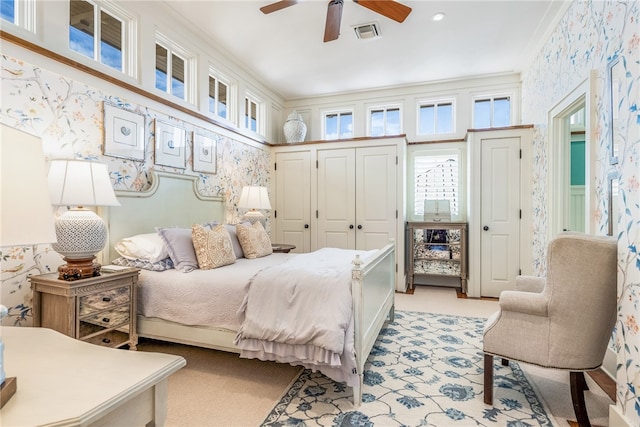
(306, 226)
(351, 227)
(359, 227)
(485, 228)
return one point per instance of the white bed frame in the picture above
(173, 200)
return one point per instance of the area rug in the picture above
(424, 370)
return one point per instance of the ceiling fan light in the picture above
(367, 31)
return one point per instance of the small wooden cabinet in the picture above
(99, 310)
(437, 249)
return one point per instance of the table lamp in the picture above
(25, 211)
(254, 198)
(80, 231)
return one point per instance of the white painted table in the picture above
(67, 382)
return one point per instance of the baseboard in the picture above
(616, 418)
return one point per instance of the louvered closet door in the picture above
(375, 196)
(293, 200)
(336, 198)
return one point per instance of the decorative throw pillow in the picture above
(237, 248)
(162, 265)
(254, 240)
(180, 247)
(213, 247)
(147, 247)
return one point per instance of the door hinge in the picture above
(275, 166)
(396, 267)
(396, 213)
(275, 214)
(317, 162)
(316, 214)
(520, 272)
(396, 160)
(520, 213)
(521, 153)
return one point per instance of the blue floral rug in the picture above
(424, 370)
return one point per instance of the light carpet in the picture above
(424, 370)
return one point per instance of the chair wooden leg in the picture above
(488, 379)
(578, 386)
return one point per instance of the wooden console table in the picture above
(66, 382)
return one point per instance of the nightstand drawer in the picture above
(104, 300)
(114, 338)
(105, 319)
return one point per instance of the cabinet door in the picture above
(293, 200)
(375, 196)
(336, 198)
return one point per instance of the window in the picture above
(19, 12)
(437, 176)
(252, 114)
(338, 125)
(218, 96)
(492, 112)
(435, 117)
(173, 67)
(384, 121)
(98, 33)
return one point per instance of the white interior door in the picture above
(376, 205)
(293, 200)
(336, 199)
(500, 215)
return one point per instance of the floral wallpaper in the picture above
(590, 35)
(68, 116)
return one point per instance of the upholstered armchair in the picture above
(563, 321)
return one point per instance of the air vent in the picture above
(367, 31)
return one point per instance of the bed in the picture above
(371, 275)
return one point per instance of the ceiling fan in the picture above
(389, 8)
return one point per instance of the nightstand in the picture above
(99, 310)
(282, 247)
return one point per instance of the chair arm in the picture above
(524, 302)
(530, 283)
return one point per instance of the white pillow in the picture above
(147, 247)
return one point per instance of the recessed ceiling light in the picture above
(438, 16)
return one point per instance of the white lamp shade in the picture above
(80, 183)
(253, 197)
(26, 217)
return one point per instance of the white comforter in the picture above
(300, 312)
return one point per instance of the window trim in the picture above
(442, 149)
(231, 95)
(26, 16)
(385, 108)
(339, 112)
(492, 97)
(260, 113)
(190, 68)
(129, 38)
(436, 101)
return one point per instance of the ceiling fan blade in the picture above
(389, 8)
(334, 16)
(274, 7)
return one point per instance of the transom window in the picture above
(489, 112)
(253, 113)
(338, 125)
(173, 68)
(19, 12)
(385, 121)
(436, 176)
(218, 96)
(435, 117)
(98, 32)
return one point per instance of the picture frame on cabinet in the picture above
(204, 153)
(170, 145)
(124, 133)
(615, 76)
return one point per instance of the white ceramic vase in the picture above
(294, 128)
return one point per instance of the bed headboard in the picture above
(172, 200)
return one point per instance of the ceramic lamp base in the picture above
(76, 269)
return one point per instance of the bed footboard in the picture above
(373, 287)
